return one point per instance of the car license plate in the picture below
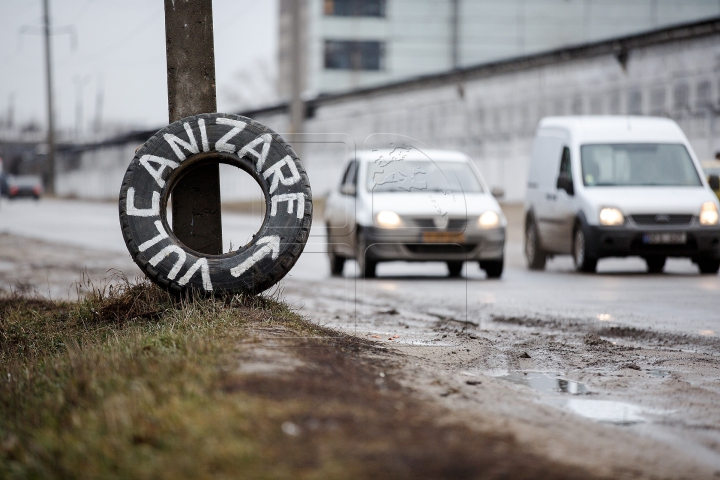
(443, 237)
(665, 238)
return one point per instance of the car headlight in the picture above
(388, 219)
(489, 219)
(709, 214)
(611, 216)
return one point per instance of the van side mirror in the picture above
(348, 189)
(714, 182)
(497, 192)
(564, 182)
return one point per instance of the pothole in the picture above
(546, 382)
(604, 411)
(607, 411)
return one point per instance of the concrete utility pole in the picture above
(50, 187)
(10, 121)
(80, 83)
(99, 95)
(191, 90)
(297, 107)
(455, 32)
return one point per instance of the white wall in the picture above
(491, 118)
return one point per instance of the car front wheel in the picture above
(655, 264)
(337, 264)
(535, 256)
(493, 268)
(583, 262)
(454, 268)
(366, 263)
(709, 265)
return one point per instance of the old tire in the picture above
(583, 262)
(534, 254)
(655, 264)
(493, 268)
(212, 138)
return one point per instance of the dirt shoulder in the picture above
(315, 403)
(55, 270)
(132, 384)
(622, 402)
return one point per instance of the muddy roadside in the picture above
(131, 383)
(248, 388)
(58, 271)
(471, 367)
(621, 401)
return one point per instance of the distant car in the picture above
(412, 205)
(24, 186)
(616, 186)
(712, 172)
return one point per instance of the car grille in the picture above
(439, 248)
(428, 223)
(662, 219)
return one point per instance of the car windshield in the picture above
(637, 164)
(712, 171)
(422, 175)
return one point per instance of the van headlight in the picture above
(709, 214)
(387, 219)
(611, 216)
(489, 219)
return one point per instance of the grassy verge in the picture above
(131, 384)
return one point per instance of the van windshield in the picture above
(637, 164)
(422, 175)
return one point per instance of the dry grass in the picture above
(130, 383)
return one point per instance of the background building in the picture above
(489, 111)
(354, 44)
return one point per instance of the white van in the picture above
(616, 186)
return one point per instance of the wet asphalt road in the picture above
(620, 293)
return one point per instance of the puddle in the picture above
(604, 411)
(546, 382)
(655, 372)
(607, 411)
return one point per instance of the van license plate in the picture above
(443, 237)
(665, 238)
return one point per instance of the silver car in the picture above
(412, 205)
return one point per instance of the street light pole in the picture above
(50, 187)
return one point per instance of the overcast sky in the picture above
(121, 45)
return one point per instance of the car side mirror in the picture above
(564, 182)
(497, 192)
(348, 189)
(714, 182)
